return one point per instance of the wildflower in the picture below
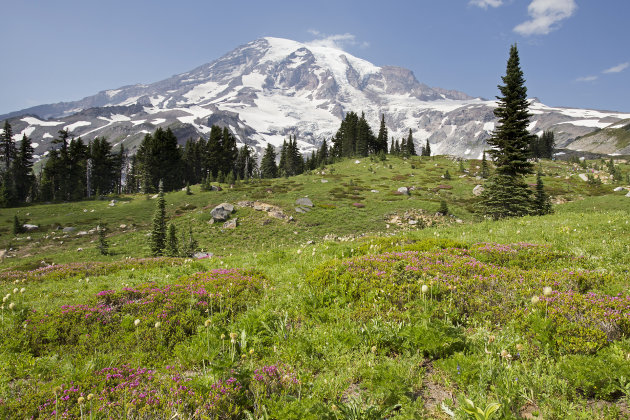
(136, 322)
(56, 390)
(491, 339)
(158, 324)
(519, 347)
(535, 300)
(233, 336)
(222, 336)
(373, 349)
(4, 299)
(547, 291)
(15, 290)
(90, 396)
(207, 323)
(12, 305)
(251, 351)
(243, 356)
(23, 289)
(80, 400)
(425, 288)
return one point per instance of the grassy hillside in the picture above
(377, 321)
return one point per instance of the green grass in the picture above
(314, 337)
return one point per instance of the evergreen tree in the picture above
(268, 168)
(230, 152)
(397, 148)
(542, 201)
(214, 154)
(172, 243)
(506, 193)
(158, 233)
(365, 139)
(159, 159)
(381, 140)
(282, 165)
(447, 175)
(443, 210)
(322, 154)
(189, 244)
(23, 178)
(103, 168)
(17, 225)
(485, 172)
(547, 144)
(411, 149)
(7, 147)
(426, 149)
(103, 245)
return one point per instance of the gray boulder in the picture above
(202, 255)
(30, 228)
(477, 190)
(222, 212)
(403, 190)
(618, 189)
(628, 195)
(304, 202)
(231, 224)
(69, 229)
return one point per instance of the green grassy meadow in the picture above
(348, 311)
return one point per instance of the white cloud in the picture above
(545, 14)
(484, 4)
(338, 41)
(618, 68)
(586, 79)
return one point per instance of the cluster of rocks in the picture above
(221, 213)
(271, 210)
(414, 219)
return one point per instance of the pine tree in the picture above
(189, 244)
(547, 144)
(24, 179)
(230, 152)
(17, 225)
(485, 172)
(443, 210)
(172, 243)
(322, 154)
(268, 167)
(542, 201)
(381, 140)
(103, 245)
(447, 175)
(427, 149)
(411, 149)
(158, 233)
(506, 194)
(7, 148)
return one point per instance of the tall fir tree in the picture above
(268, 167)
(411, 149)
(506, 194)
(7, 147)
(172, 243)
(158, 233)
(323, 154)
(24, 180)
(381, 140)
(542, 201)
(426, 150)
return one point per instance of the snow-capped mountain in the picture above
(270, 88)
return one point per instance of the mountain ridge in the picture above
(270, 88)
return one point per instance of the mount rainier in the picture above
(271, 88)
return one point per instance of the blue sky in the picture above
(573, 52)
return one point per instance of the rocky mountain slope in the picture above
(270, 88)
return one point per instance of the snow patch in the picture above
(35, 121)
(35, 145)
(489, 126)
(158, 121)
(138, 122)
(588, 123)
(531, 125)
(47, 136)
(74, 126)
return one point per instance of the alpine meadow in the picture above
(292, 232)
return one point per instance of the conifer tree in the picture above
(189, 244)
(506, 194)
(268, 167)
(172, 243)
(7, 148)
(542, 201)
(427, 149)
(443, 210)
(322, 154)
(17, 225)
(411, 149)
(158, 233)
(23, 178)
(103, 245)
(381, 140)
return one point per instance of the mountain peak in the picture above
(270, 88)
